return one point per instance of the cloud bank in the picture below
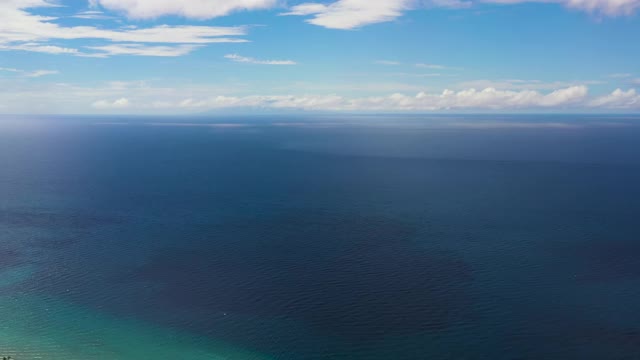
(489, 99)
(143, 97)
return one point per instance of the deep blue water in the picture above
(326, 237)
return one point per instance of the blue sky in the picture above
(194, 56)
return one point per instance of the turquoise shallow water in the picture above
(37, 328)
(320, 238)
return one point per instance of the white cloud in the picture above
(20, 29)
(92, 15)
(117, 104)
(39, 73)
(306, 9)
(172, 34)
(145, 97)
(195, 9)
(249, 60)
(141, 50)
(314, 102)
(351, 14)
(487, 99)
(452, 4)
(35, 47)
(31, 74)
(431, 66)
(600, 7)
(605, 7)
(24, 27)
(619, 99)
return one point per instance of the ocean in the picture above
(320, 237)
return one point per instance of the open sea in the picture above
(320, 237)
